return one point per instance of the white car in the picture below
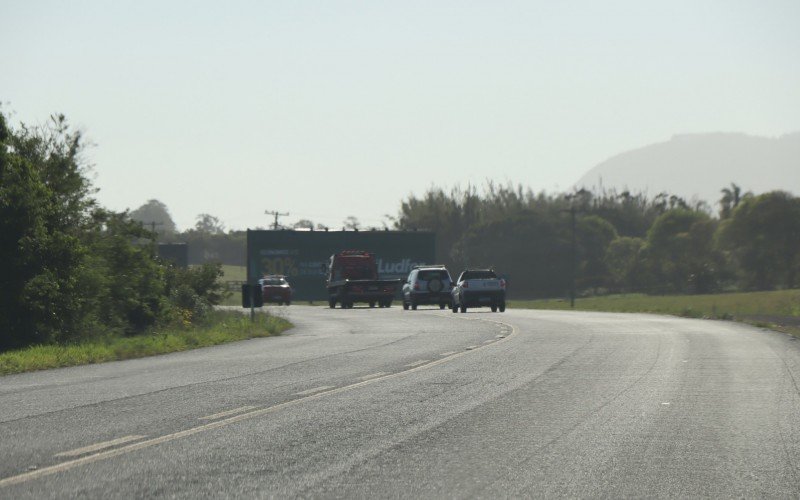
(479, 288)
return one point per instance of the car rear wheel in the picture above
(372, 304)
(332, 303)
(463, 308)
(494, 308)
(441, 306)
(413, 306)
(502, 307)
(405, 305)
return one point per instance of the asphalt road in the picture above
(391, 403)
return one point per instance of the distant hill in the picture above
(698, 166)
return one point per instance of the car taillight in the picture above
(416, 286)
(465, 285)
(502, 283)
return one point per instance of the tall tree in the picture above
(45, 205)
(680, 252)
(764, 237)
(154, 215)
(208, 224)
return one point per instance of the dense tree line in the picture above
(70, 269)
(623, 242)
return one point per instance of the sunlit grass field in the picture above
(224, 326)
(234, 273)
(776, 309)
(778, 303)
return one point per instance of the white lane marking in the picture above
(489, 341)
(98, 446)
(448, 353)
(314, 390)
(115, 452)
(226, 413)
(417, 363)
(469, 348)
(373, 375)
(665, 403)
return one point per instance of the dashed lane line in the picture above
(221, 414)
(314, 390)
(417, 363)
(98, 446)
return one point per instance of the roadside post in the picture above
(252, 297)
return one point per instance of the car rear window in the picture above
(479, 275)
(434, 274)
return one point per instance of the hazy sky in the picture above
(333, 108)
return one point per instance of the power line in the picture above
(276, 214)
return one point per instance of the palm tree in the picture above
(731, 199)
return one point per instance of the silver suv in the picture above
(427, 285)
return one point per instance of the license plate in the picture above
(277, 297)
(485, 299)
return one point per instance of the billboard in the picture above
(303, 256)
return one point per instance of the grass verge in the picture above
(223, 327)
(779, 310)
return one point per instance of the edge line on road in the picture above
(107, 454)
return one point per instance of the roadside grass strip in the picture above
(223, 327)
(225, 421)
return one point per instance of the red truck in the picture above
(353, 277)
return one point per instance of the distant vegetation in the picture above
(623, 242)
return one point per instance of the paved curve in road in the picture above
(375, 402)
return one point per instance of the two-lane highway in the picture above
(376, 402)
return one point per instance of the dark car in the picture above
(427, 285)
(276, 289)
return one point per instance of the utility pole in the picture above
(276, 214)
(152, 225)
(574, 252)
(573, 258)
